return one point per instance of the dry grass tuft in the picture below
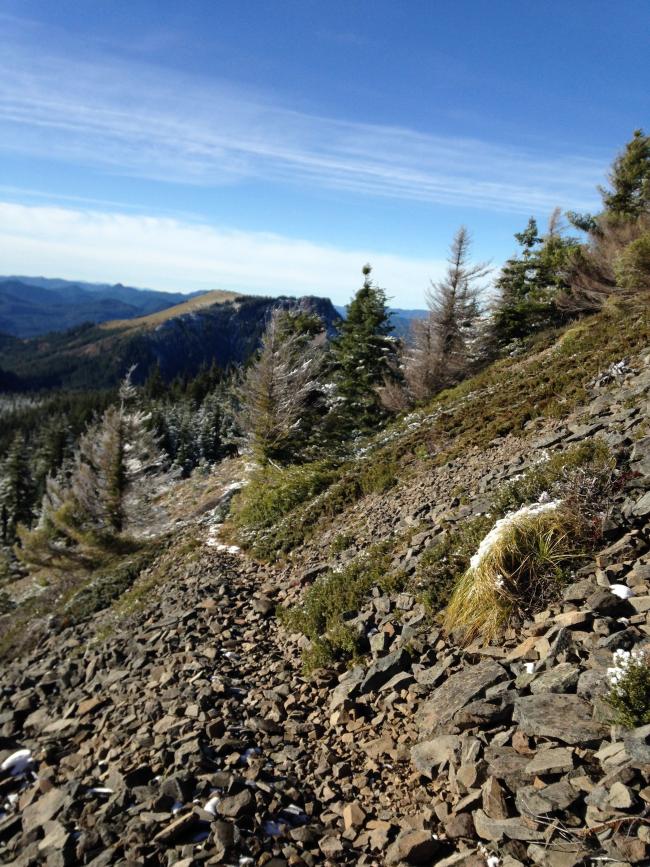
(520, 572)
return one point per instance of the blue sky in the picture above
(277, 145)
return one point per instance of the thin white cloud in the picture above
(165, 253)
(140, 120)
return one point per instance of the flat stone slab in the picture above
(456, 692)
(508, 829)
(427, 756)
(568, 718)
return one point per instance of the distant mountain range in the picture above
(400, 319)
(216, 326)
(70, 334)
(31, 306)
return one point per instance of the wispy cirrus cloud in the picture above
(167, 253)
(141, 120)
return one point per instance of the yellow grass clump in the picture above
(517, 570)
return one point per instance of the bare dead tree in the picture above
(441, 350)
(592, 275)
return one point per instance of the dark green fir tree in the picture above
(16, 490)
(364, 356)
(629, 178)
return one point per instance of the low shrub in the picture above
(261, 513)
(629, 695)
(443, 562)
(281, 507)
(7, 604)
(107, 586)
(321, 613)
(519, 567)
(378, 477)
(341, 542)
(583, 472)
(273, 492)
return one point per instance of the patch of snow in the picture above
(621, 591)
(273, 828)
(230, 549)
(233, 486)
(211, 805)
(17, 763)
(250, 753)
(504, 524)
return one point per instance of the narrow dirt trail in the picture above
(198, 700)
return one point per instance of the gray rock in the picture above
(604, 602)
(553, 761)
(642, 507)
(579, 590)
(233, 806)
(637, 746)
(456, 692)
(494, 799)
(431, 676)
(460, 826)
(561, 678)
(348, 687)
(264, 606)
(569, 855)
(531, 801)
(568, 718)
(592, 683)
(504, 763)
(44, 809)
(330, 846)
(428, 756)
(505, 829)
(383, 670)
(624, 639)
(413, 847)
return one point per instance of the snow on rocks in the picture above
(621, 590)
(229, 549)
(17, 763)
(510, 520)
(211, 805)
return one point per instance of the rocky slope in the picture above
(187, 733)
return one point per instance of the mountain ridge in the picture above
(219, 327)
(33, 306)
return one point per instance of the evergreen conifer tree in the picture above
(105, 498)
(629, 196)
(364, 355)
(16, 490)
(530, 284)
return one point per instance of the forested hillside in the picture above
(178, 340)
